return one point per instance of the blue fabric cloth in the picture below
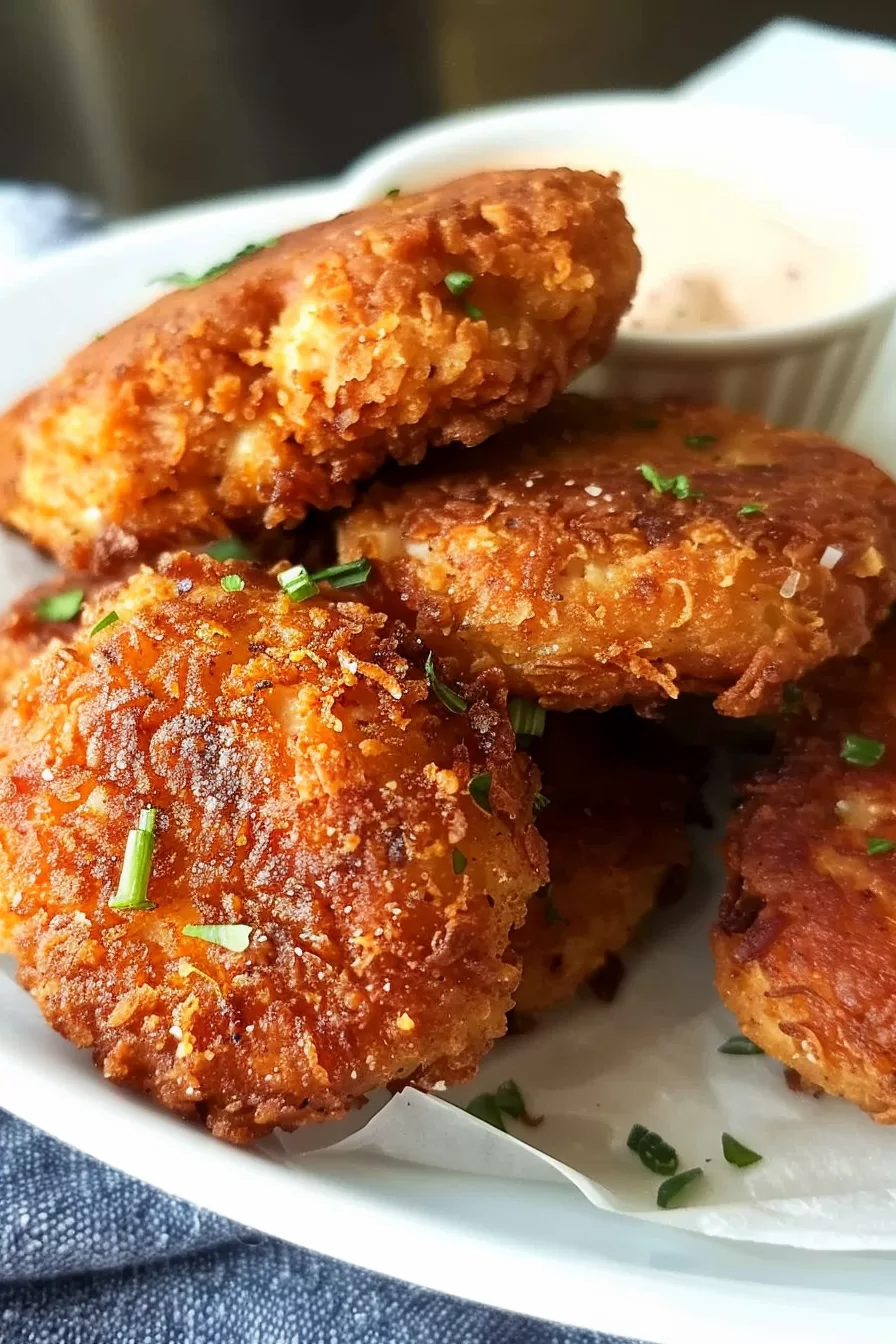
(88, 1256)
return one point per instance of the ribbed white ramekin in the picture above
(804, 374)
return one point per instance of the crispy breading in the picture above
(309, 786)
(601, 554)
(805, 948)
(619, 791)
(249, 398)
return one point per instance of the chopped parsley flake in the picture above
(135, 870)
(60, 606)
(232, 583)
(507, 1099)
(183, 279)
(540, 802)
(473, 313)
(392, 192)
(668, 1193)
(746, 510)
(653, 1151)
(458, 862)
(858, 750)
(679, 486)
(235, 937)
(485, 1107)
(737, 1153)
(457, 282)
(877, 845)
(740, 1045)
(480, 787)
(449, 698)
(110, 618)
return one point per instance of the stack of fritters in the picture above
(270, 840)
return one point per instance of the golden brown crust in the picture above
(804, 946)
(615, 831)
(556, 560)
(309, 786)
(272, 388)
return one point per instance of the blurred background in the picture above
(145, 103)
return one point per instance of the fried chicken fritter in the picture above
(309, 788)
(615, 831)
(805, 947)
(249, 398)
(24, 633)
(609, 553)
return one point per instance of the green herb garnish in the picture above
(228, 548)
(654, 1152)
(297, 583)
(458, 862)
(473, 313)
(235, 937)
(527, 718)
(393, 191)
(737, 1153)
(668, 1193)
(740, 1045)
(858, 750)
(350, 575)
(183, 279)
(232, 583)
(679, 486)
(480, 787)
(746, 510)
(60, 606)
(134, 881)
(104, 622)
(456, 282)
(485, 1107)
(540, 802)
(449, 698)
(876, 845)
(507, 1099)
(700, 440)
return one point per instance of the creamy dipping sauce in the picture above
(714, 260)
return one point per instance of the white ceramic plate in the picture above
(533, 1248)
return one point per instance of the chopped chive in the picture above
(737, 1153)
(700, 440)
(350, 575)
(449, 698)
(653, 1151)
(746, 510)
(184, 280)
(135, 870)
(228, 548)
(527, 718)
(297, 583)
(485, 1107)
(458, 862)
(858, 750)
(232, 583)
(104, 622)
(235, 937)
(551, 913)
(473, 313)
(480, 787)
(876, 845)
(679, 486)
(740, 1045)
(540, 802)
(393, 191)
(60, 606)
(456, 282)
(667, 1194)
